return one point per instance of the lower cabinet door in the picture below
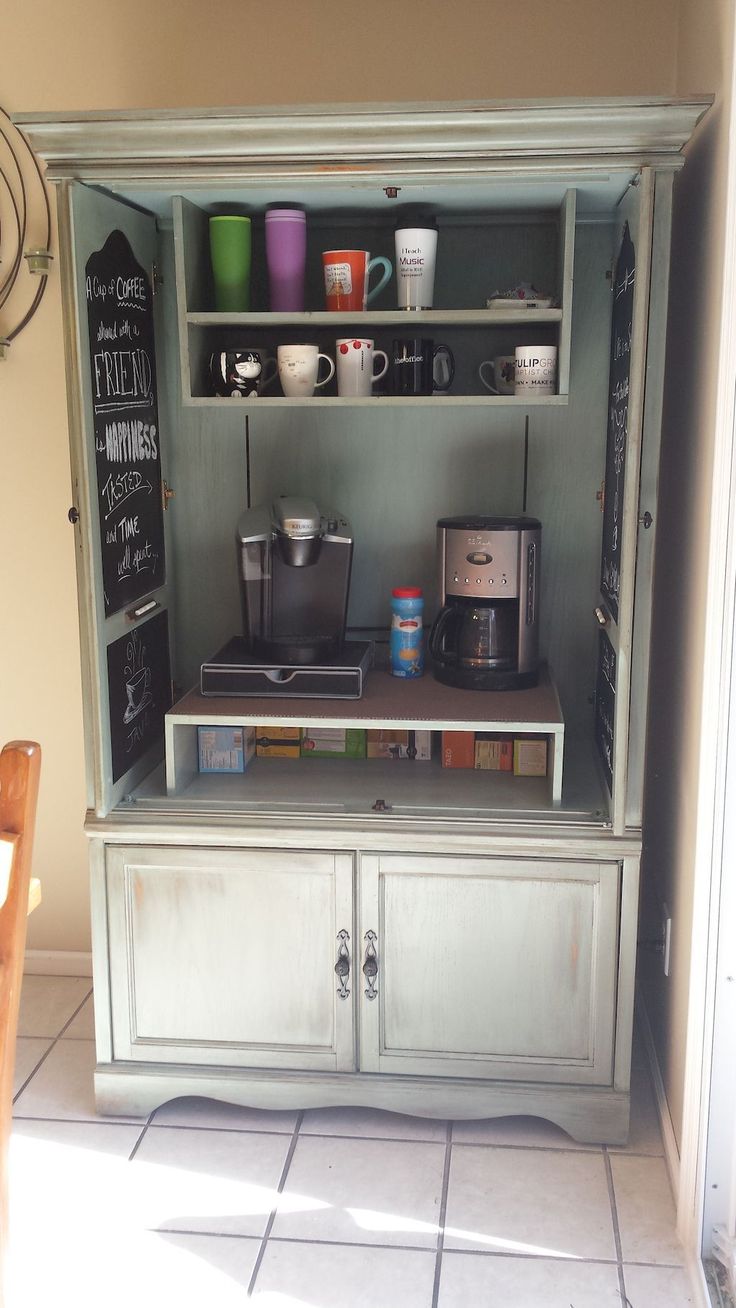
(227, 957)
(488, 967)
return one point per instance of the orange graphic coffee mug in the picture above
(346, 279)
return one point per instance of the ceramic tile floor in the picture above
(209, 1205)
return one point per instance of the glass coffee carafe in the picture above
(472, 634)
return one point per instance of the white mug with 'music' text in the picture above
(535, 370)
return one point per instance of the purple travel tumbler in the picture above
(286, 255)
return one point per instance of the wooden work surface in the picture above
(420, 703)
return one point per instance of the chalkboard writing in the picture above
(125, 421)
(618, 419)
(605, 704)
(139, 688)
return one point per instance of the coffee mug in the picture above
(356, 360)
(346, 279)
(503, 368)
(230, 253)
(419, 367)
(299, 367)
(241, 374)
(536, 370)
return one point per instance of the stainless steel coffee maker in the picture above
(486, 635)
(294, 569)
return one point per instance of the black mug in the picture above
(241, 374)
(414, 369)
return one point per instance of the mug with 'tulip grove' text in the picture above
(535, 370)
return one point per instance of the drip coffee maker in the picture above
(486, 635)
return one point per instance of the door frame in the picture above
(708, 1148)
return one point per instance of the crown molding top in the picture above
(148, 144)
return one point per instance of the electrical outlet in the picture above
(666, 938)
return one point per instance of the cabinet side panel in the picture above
(648, 488)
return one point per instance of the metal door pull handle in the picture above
(342, 966)
(370, 965)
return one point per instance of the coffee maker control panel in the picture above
(483, 565)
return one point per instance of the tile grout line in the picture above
(77, 1010)
(272, 1214)
(616, 1229)
(442, 1215)
(139, 1141)
(54, 1041)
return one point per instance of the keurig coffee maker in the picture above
(294, 566)
(486, 635)
(294, 574)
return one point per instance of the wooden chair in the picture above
(20, 765)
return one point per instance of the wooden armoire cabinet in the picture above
(370, 931)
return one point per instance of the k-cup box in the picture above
(278, 742)
(333, 742)
(494, 753)
(530, 757)
(458, 749)
(225, 749)
(385, 742)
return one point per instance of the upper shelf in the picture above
(382, 318)
(477, 257)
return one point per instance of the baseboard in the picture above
(671, 1152)
(698, 1284)
(57, 962)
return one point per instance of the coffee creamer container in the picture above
(416, 251)
(406, 642)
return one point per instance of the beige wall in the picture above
(180, 52)
(704, 60)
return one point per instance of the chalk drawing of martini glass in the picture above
(139, 695)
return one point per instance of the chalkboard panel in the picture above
(125, 420)
(605, 704)
(139, 688)
(618, 419)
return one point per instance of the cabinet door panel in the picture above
(490, 968)
(120, 432)
(228, 957)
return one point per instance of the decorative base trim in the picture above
(56, 962)
(589, 1116)
(671, 1151)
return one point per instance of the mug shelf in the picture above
(407, 318)
(384, 401)
(478, 259)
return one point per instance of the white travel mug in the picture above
(416, 254)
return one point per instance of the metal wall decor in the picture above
(21, 184)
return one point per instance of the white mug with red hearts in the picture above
(356, 359)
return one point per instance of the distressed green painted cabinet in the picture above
(465, 947)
